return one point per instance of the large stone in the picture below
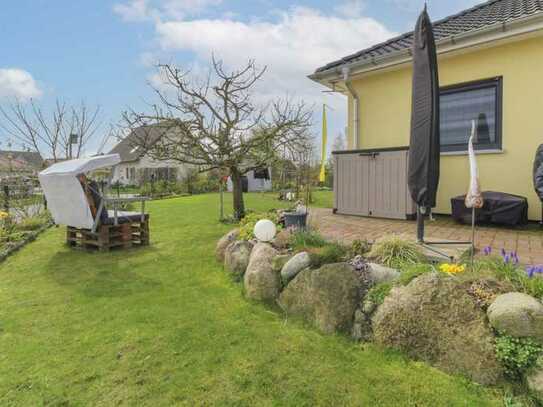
(534, 380)
(261, 281)
(326, 297)
(282, 239)
(236, 257)
(434, 319)
(378, 274)
(224, 242)
(280, 260)
(517, 314)
(296, 264)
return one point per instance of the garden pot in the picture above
(296, 220)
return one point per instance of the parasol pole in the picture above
(472, 235)
(474, 197)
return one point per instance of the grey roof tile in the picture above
(475, 18)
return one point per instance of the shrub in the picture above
(247, 224)
(307, 238)
(395, 251)
(516, 354)
(378, 293)
(327, 254)
(32, 223)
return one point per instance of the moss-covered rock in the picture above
(280, 260)
(326, 297)
(224, 242)
(261, 281)
(517, 314)
(236, 257)
(435, 319)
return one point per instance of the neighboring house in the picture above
(26, 163)
(254, 181)
(137, 167)
(490, 58)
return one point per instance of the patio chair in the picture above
(93, 221)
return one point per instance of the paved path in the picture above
(528, 243)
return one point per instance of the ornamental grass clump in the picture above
(395, 251)
(302, 239)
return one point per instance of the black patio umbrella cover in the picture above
(424, 146)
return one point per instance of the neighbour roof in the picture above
(21, 159)
(475, 18)
(144, 136)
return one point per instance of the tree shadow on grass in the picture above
(115, 274)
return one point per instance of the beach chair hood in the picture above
(66, 199)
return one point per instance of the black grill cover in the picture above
(499, 208)
(424, 146)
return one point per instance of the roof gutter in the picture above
(500, 30)
(354, 95)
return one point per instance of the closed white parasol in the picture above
(66, 199)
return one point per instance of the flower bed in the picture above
(484, 322)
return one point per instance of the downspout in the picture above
(356, 117)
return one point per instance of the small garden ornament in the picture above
(265, 230)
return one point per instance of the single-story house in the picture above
(137, 166)
(490, 58)
(26, 163)
(258, 180)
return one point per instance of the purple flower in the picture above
(532, 270)
(487, 250)
(503, 252)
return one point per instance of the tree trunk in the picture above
(237, 189)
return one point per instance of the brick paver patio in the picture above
(527, 242)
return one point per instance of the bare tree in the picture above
(215, 124)
(50, 134)
(339, 142)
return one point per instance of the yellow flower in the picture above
(3, 215)
(452, 268)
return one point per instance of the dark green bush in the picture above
(516, 354)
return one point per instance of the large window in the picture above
(460, 104)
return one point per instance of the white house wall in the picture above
(119, 172)
(254, 184)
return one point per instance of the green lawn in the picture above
(165, 325)
(323, 199)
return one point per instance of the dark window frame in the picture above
(497, 83)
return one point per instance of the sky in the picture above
(105, 52)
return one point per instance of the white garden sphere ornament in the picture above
(265, 230)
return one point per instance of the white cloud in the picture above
(351, 8)
(18, 83)
(301, 40)
(134, 10)
(142, 10)
(291, 43)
